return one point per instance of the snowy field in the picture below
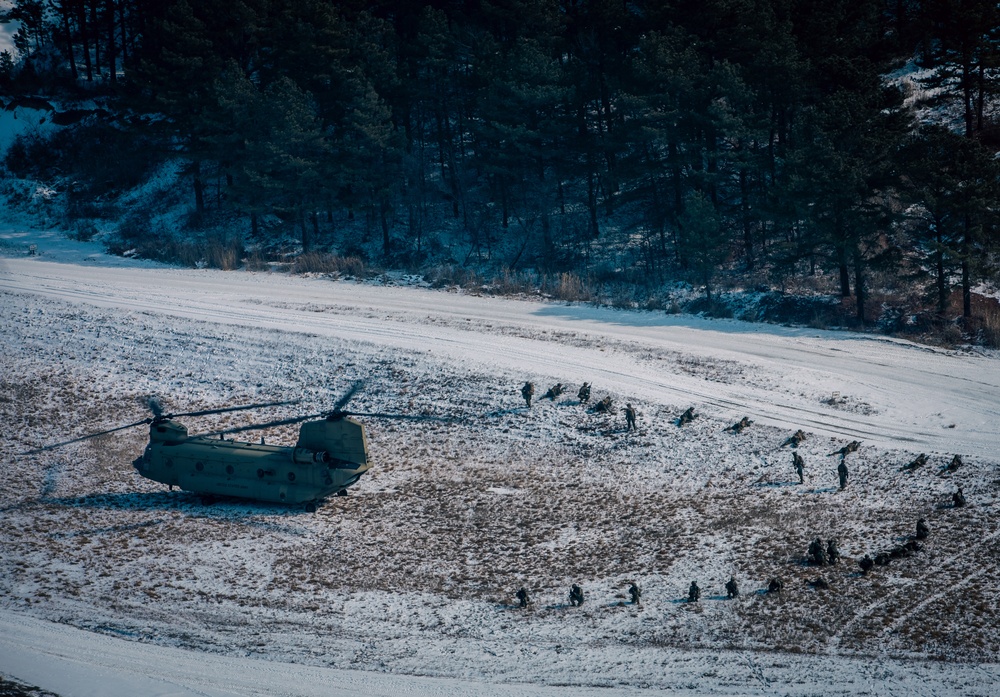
(112, 585)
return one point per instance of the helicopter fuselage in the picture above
(330, 455)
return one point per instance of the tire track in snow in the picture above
(893, 595)
(409, 320)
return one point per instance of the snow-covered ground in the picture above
(105, 575)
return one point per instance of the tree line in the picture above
(652, 139)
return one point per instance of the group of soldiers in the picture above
(606, 405)
(818, 554)
(576, 595)
(799, 463)
(867, 563)
(583, 394)
(635, 593)
(528, 391)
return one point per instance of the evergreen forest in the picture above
(844, 149)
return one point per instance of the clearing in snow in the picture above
(415, 572)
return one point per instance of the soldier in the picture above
(604, 406)
(576, 596)
(800, 466)
(922, 530)
(832, 553)
(842, 473)
(522, 597)
(794, 439)
(694, 592)
(866, 564)
(527, 392)
(584, 393)
(958, 498)
(732, 590)
(775, 585)
(636, 594)
(629, 417)
(851, 447)
(955, 463)
(817, 554)
(740, 425)
(687, 417)
(920, 461)
(554, 391)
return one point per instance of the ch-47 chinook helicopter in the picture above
(331, 454)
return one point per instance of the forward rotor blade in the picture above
(91, 435)
(348, 396)
(223, 410)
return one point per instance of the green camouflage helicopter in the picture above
(331, 454)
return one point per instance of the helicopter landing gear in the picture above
(311, 507)
(342, 492)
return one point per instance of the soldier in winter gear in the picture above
(629, 417)
(522, 597)
(740, 425)
(694, 593)
(687, 417)
(527, 392)
(554, 391)
(584, 393)
(794, 439)
(958, 498)
(922, 530)
(636, 594)
(851, 447)
(576, 596)
(800, 466)
(842, 473)
(832, 553)
(732, 590)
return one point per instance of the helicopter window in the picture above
(229, 469)
(199, 466)
(291, 476)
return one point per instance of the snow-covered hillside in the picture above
(414, 573)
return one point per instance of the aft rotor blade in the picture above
(257, 427)
(408, 417)
(155, 406)
(223, 410)
(348, 396)
(91, 435)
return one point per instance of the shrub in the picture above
(570, 287)
(453, 275)
(990, 332)
(324, 262)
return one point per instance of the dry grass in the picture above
(325, 263)
(576, 502)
